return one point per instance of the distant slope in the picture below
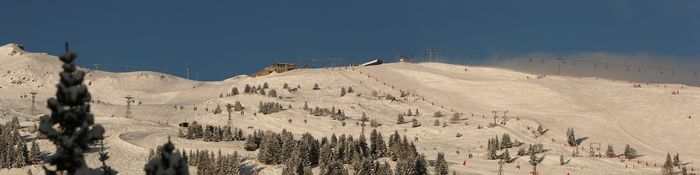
(650, 119)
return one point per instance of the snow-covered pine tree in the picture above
(455, 118)
(103, 156)
(234, 91)
(20, 159)
(217, 110)
(676, 160)
(541, 130)
(570, 137)
(400, 120)
(250, 144)
(35, 154)
(437, 114)
(167, 162)
(420, 166)
(610, 152)
(273, 93)
(441, 167)
(262, 91)
(534, 161)
(505, 141)
(415, 123)
(668, 166)
(364, 117)
(70, 110)
(227, 135)
(630, 153)
(247, 89)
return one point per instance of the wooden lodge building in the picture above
(276, 67)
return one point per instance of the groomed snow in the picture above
(650, 119)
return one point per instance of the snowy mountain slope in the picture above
(650, 119)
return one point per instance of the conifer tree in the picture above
(441, 167)
(610, 152)
(384, 169)
(106, 170)
(167, 162)
(70, 110)
(234, 91)
(571, 138)
(668, 166)
(534, 161)
(676, 160)
(415, 123)
(247, 89)
(273, 93)
(342, 91)
(419, 166)
(20, 159)
(35, 154)
(400, 120)
(250, 144)
(630, 153)
(505, 141)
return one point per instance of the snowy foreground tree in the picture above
(71, 126)
(167, 163)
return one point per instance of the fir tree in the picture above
(571, 138)
(668, 166)
(273, 93)
(35, 154)
(610, 152)
(342, 91)
(70, 110)
(167, 162)
(106, 170)
(630, 153)
(505, 141)
(250, 144)
(234, 91)
(247, 89)
(676, 160)
(400, 120)
(415, 123)
(441, 167)
(419, 166)
(20, 159)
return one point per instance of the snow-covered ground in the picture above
(650, 119)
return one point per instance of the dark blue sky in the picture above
(232, 37)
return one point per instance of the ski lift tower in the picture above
(228, 109)
(560, 60)
(129, 100)
(504, 117)
(33, 103)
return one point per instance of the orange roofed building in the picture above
(276, 67)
